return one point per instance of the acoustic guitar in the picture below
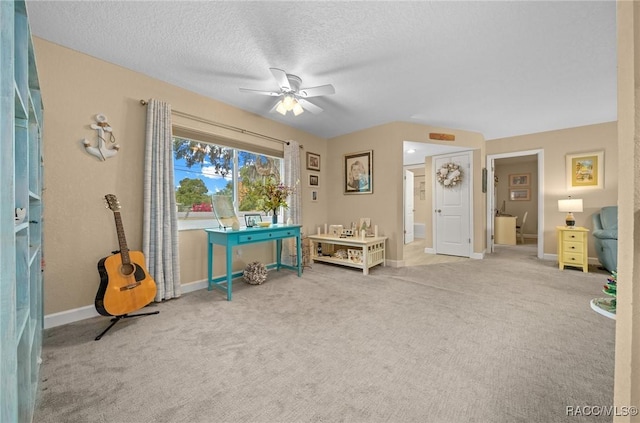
(125, 284)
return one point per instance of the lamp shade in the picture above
(281, 108)
(570, 205)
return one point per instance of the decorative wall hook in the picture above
(101, 151)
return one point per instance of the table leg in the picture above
(278, 254)
(365, 261)
(210, 266)
(229, 271)
(299, 253)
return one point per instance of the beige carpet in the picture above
(505, 339)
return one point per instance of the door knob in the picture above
(438, 210)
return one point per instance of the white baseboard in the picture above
(477, 256)
(394, 263)
(69, 316)
(87, 312)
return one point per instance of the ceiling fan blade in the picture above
(317, 91)
(307, 105)
(261, 92)
(281, 78)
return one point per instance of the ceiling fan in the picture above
(293, 97)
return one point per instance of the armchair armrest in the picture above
(606, 233)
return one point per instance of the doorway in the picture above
(419, 158)
(517, 191)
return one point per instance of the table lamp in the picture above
(570, 206)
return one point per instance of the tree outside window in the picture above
(202, 170)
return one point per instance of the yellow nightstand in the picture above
(573, 247)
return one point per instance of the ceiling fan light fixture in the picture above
(288, 102)
(281, 108)
(297, 109)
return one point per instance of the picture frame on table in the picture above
(585, 170)
(313, 161)
(519, 179)
(358, 173)
(519, 194)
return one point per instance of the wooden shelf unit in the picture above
(21, 258)
(373, 250)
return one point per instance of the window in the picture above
(203, 169)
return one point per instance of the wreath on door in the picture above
(449, 175)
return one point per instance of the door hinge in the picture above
(469, 240)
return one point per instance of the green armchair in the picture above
(605, 233)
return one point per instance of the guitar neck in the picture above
(122, 241)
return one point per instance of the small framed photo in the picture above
(314, 196)
(358, 173)
(313, 161)
(364, 223)
(585, 170)
(519, 180)
(519, 194)
(314, 180)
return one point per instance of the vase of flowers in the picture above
(271, 195)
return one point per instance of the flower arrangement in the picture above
(449, 175)
(271, 194)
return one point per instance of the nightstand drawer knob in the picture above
(573, 248)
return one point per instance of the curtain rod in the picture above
(223, 125)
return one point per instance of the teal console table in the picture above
(230, 238)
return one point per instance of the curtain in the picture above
(292, 179)
(160, 226)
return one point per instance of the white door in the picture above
(408, 206)
(452, 217)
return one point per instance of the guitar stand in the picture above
(116, 319)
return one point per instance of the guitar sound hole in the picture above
(127, 269)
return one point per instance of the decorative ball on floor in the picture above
(255, 273)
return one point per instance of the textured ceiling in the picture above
(499, 68)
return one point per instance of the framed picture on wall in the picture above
(314, 180)
(519, 194)
(314, 196)
(358, 173)
(519, 179)
(313, 161)
(585, 170)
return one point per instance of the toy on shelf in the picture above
(20, 214)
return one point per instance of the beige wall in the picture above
(556, 145)
(79, 231)
(385, 205)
